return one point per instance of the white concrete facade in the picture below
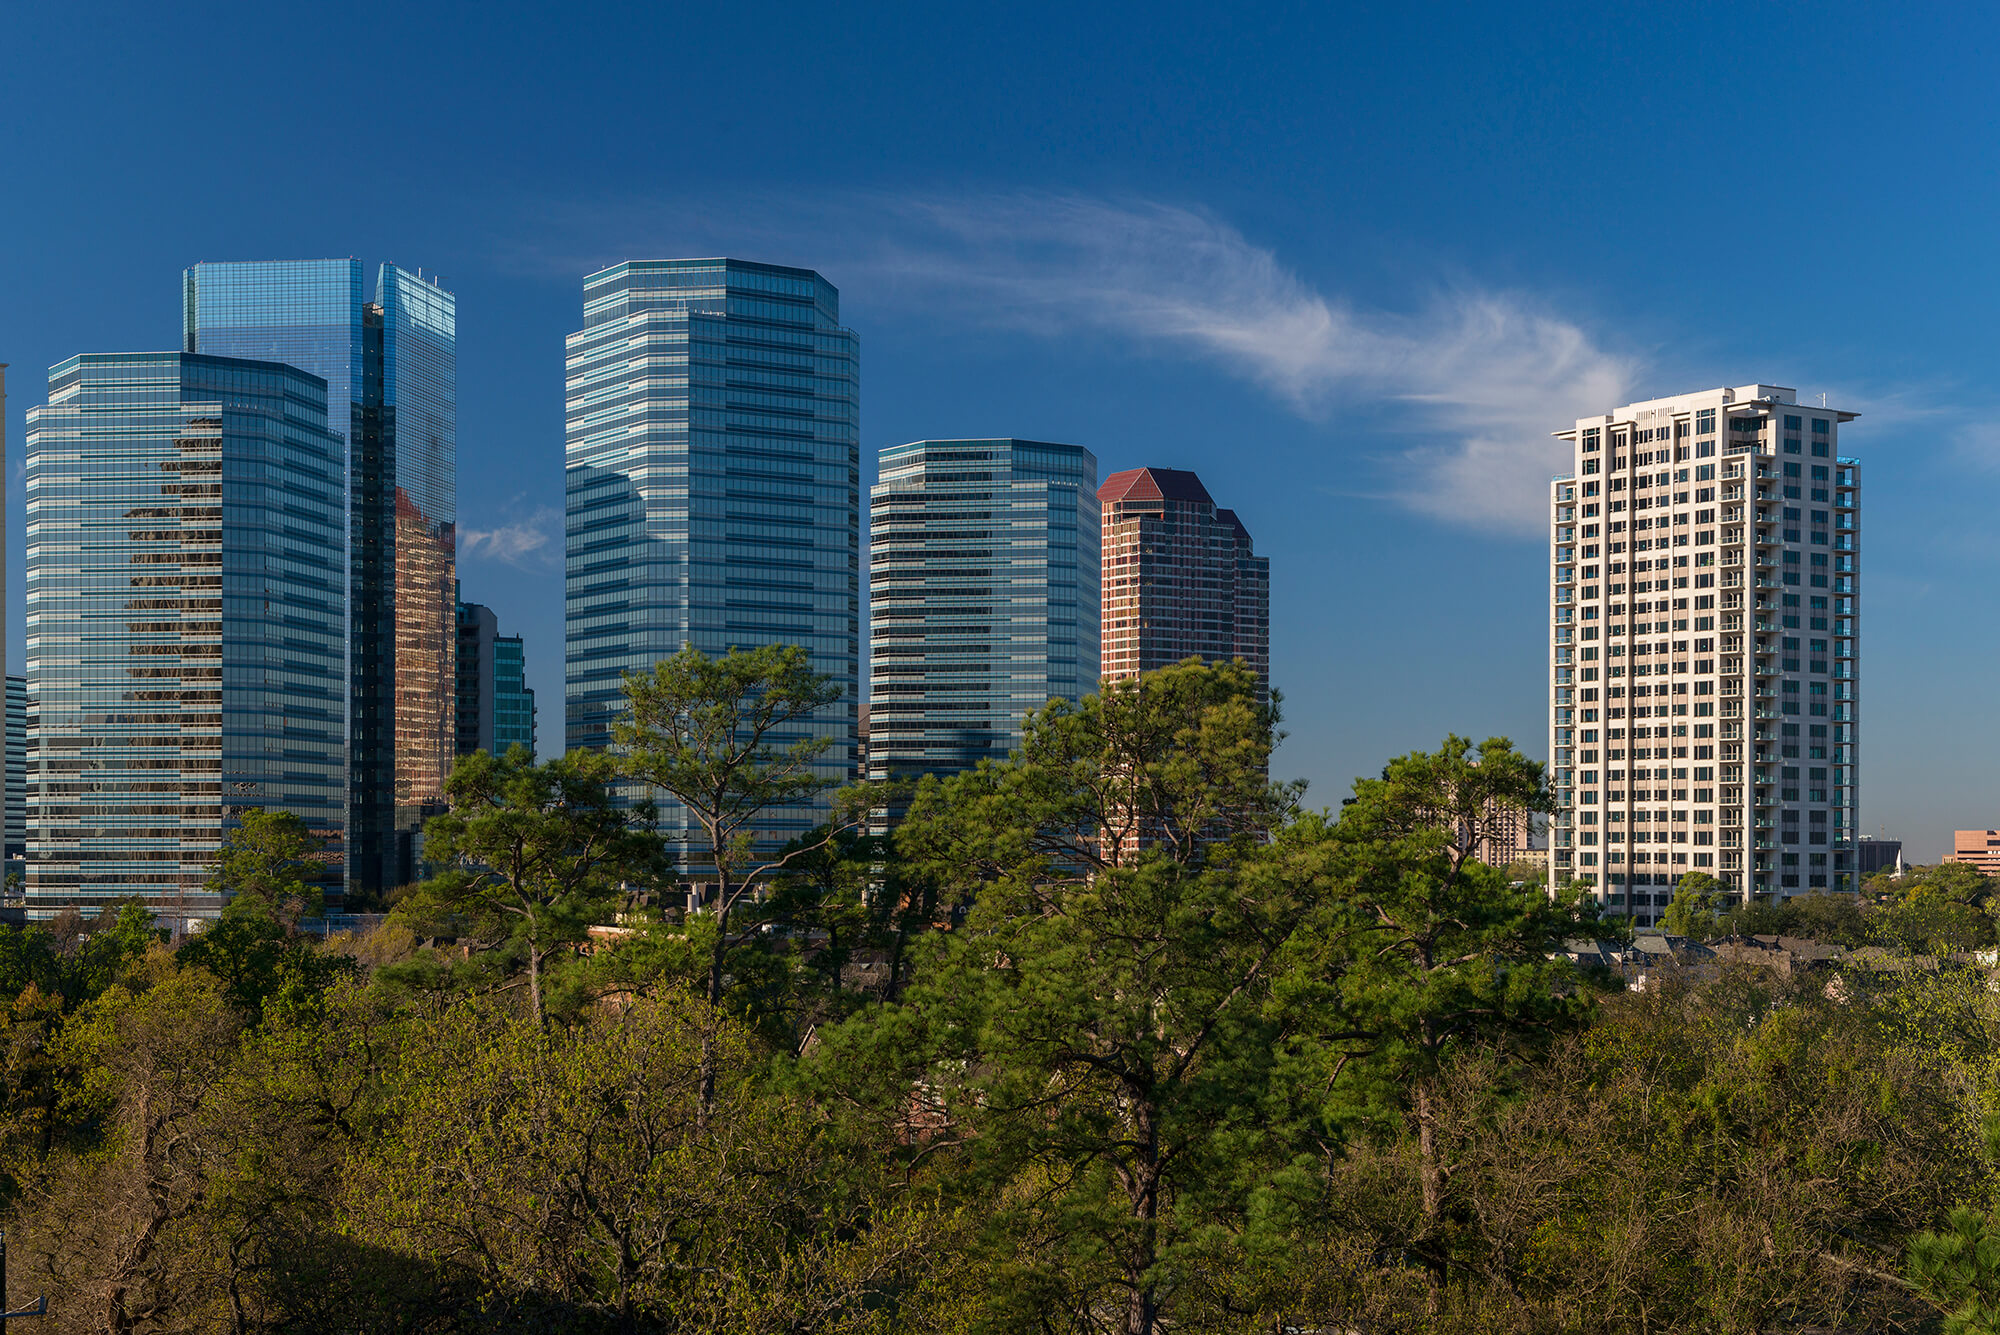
(1704, 661)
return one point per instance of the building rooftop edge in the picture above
(181, 354)
(1733, 396)
(1173, 484)
(988, 440)
(699, 261)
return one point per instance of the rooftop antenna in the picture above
(1822, 398)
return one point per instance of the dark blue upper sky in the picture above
(1349, 263)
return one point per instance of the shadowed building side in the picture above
(983, 598)
(495, 706)
(713, 492)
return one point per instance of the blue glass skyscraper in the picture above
(983, 597)
(391, 370)
(714, 492)
(186, 554)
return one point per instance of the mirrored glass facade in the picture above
(513, 698)
(418, 457)
(186, 554)
(391, 370)
(983, 597)
(714, 484)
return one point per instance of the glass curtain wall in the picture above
(391, 370)
(714, 479)
(185, 572)
(983, 597)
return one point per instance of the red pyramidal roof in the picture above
(1153, 484)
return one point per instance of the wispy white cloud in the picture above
(527, 543)
(1469, 382)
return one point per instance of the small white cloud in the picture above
(525, 543)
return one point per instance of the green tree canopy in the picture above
(1098, 1032)
(1960, 882)
(1700, 908)
(731, 738)
(1419, 952)
(536, 853)
(1175, 762)
(262, 867)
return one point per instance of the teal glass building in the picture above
(983, 597)
(714, 487)
(390, 364)
(186, 571)
(496, 706)
(513, 698)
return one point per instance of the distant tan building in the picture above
(1503, 836)
(1978, 848)
(1180, 580)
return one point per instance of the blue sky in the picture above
(1349, 263)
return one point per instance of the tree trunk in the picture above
(722, 907)
(1142, 1310)
(1430, 1173)
(715, 961)
(535, 980)
(894, 991)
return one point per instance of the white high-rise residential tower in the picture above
(1704, 650)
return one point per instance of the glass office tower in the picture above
(513, 698)
(983, 597)
(391, 370)
(714, 486)
(186, 553)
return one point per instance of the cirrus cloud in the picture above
(1473, 381)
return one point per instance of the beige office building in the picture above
(1977, 848)
(1503, 836)
(1704, 649)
